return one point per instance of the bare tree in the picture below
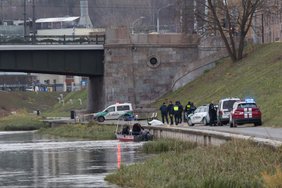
(232, 19)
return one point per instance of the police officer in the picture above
(170, 112)
(187, 110)
(193, 108)
(180, 112)
(212, 114)
(176, 111)
(163, 110)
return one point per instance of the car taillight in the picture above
(256, 111)
(239, 111)
(220, 113)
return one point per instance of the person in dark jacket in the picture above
(125, 130)
(212, 114)
(163, 110)
(170, 112)
(193, 108)
(176, 112)
(180, 112)
(137, 129)
(187, 110)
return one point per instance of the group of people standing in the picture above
(175, 112)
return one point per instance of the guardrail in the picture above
(53, 40)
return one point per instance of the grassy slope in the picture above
(64, 110)
(259, 76)
(13, 101)
(47, 103)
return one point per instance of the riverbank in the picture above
(91, 131)
(179, 164)
(234, 164)
(21, 121)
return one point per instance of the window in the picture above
(198, 110)
(247, 105)
(110, 109)
(228, 104)
(122, 108)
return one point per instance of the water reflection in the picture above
(29, 160)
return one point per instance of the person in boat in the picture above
(125, 130)
(137, 129)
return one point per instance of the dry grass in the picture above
(235, 164)
(273, 180)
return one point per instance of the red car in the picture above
(245, 112)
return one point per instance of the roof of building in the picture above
(59, 19)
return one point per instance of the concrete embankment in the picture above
(204, 135)
(217, 136)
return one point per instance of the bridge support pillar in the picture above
(95, 94)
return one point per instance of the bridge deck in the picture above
(50, 47)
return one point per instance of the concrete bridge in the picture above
(136, 68)
(77, 60)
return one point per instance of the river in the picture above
(28, 159)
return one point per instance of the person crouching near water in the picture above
(137, 129)
(125, 130)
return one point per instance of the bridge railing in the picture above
(53, 39)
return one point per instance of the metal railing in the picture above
(53, 40)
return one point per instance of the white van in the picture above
(115, 111)
(225, 106)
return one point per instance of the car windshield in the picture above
(228, 104)
(247, 105)
(202, 109)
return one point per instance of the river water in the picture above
(31, 160)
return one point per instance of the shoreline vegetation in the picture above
(181, 164)
(235, 164)
(21, 121)
(86, 131)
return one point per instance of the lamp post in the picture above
(134, 22)
(33, 22)
(24, 18)
(158, 16)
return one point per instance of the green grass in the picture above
(165, 145)
(90, 131)
(234, 164)
(64, 110)
(259, 76)
(46, 102)
(21, 122)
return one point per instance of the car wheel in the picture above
(205, 122)
(101, 119)
(189, 121)
(258, 123)
(126, 117)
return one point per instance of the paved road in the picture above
(248, 130)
